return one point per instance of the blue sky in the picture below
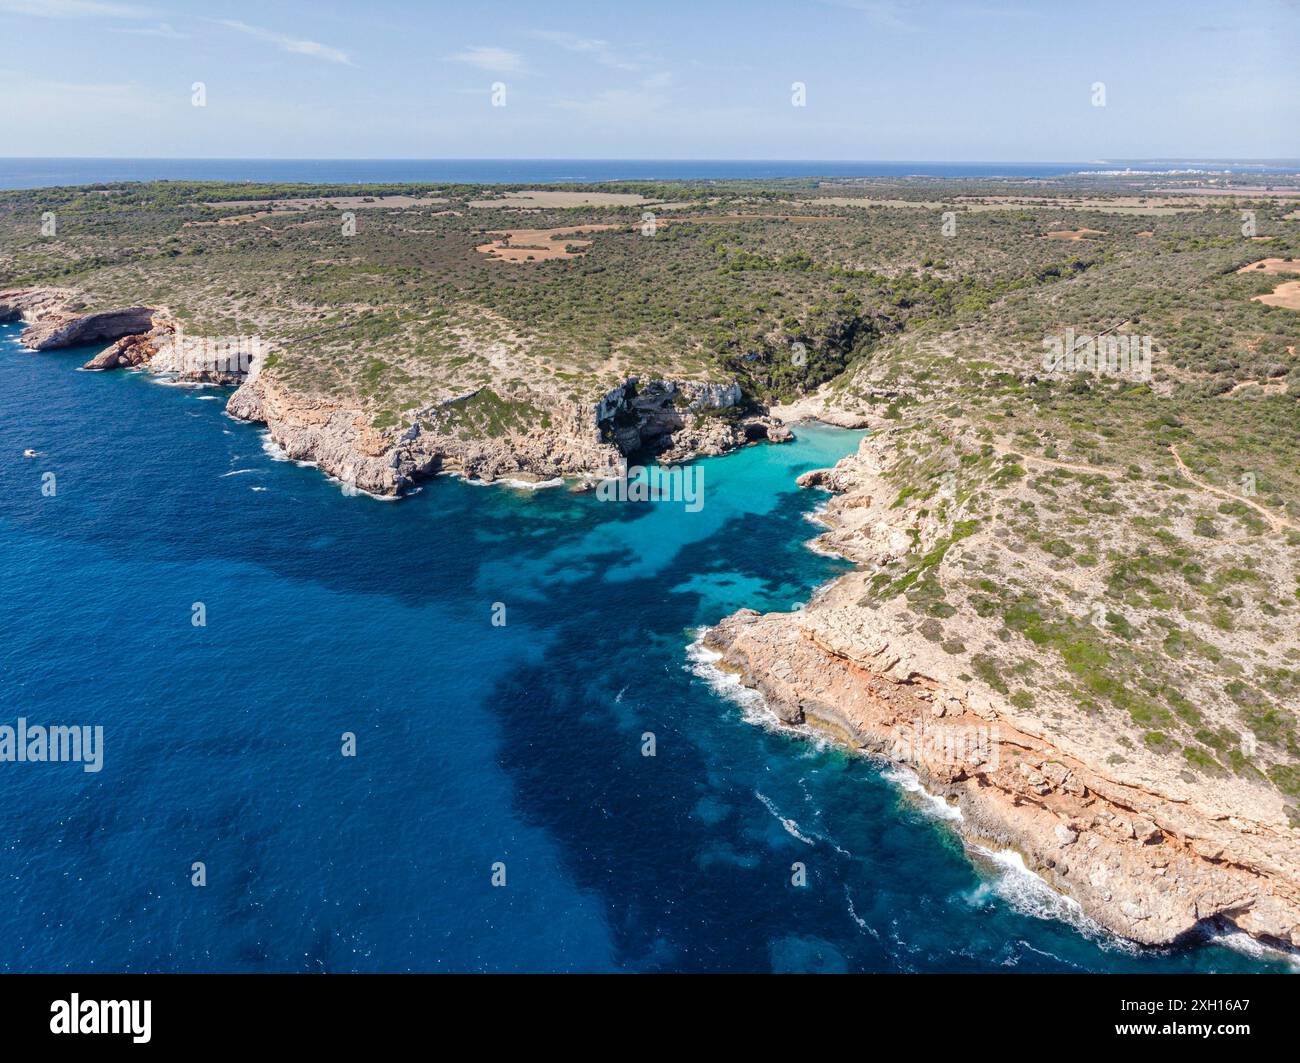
(903, 80)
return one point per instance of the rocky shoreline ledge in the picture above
(1146, 854)
(676, 420)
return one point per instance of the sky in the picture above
(907, 80)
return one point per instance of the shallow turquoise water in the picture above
(476, 744)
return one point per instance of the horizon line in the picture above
(597, 158)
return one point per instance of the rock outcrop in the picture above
(54, 319)
(674, 420)
(340, 442)
(128, 352)
(1149, 850)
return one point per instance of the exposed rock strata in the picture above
(674, 420)
(165, 348)
(1146, 852)
(54, 320)
(580, 440)
(128, 352)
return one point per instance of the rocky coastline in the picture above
(1146, 854)
(676, 421)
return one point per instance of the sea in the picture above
(472, 730)
(43, 172)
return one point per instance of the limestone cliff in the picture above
(506, 433)
(554, 440)
(1149, 849)
(55, 320)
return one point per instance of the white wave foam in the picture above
(352, 491)
(277, 453)
(817, 515)
(164, 380)
(1240, 941)
(727, 685)
(790, 825)
(237, 472)
(1029, 894)
(518, 485)
(853, 914)
(754, 708)
(815, 545)
(532, 485)
(273, 449)
(906, 779)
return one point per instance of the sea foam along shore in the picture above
(1152, 865)
(1009, 878)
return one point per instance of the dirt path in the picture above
(1089, 470)
(1276, 522)
(1004, 446)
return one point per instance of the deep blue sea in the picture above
(39, 173)
(476, 744)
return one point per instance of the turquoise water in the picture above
(476, 744)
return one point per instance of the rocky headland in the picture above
(1149, 850)
(675, 420)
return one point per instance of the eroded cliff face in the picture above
(680, 420)
(54, 320)
(1148, 849)
(165, 348)
(340, 442)
(677, 421)
(553, 438)
(1146, 864)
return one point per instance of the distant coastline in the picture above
(35, 172)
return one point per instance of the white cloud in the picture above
(486, 57)
(161, 29)
(882, 13)
(38, 110)
(72, 9)
(287, 43)
(601, 51)
(646, 98)
(617, 105)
